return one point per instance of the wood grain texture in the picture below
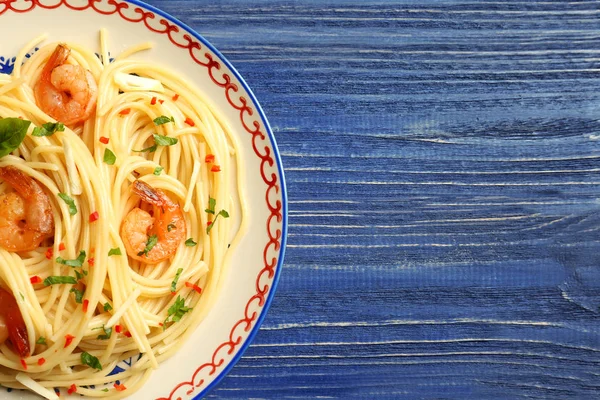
(442, 163)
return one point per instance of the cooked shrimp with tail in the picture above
(26, 217)
(66, 92)
(153, 237)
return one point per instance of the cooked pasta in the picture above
(141, 185)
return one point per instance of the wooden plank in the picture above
(442, 168)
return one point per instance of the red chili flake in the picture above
(41, 361)
(24, 364)
(128, 334)
(125, 111)
(209, 223)
(86, 303)
(215, 168)
(195, 287)
(175, 97)
(153, 102)
(35, 279)
(57, 391)
(94, 216)
(161, 101)
(190, 121)
(160, 324)
(72, 389)
(104, 140)
(120, 387)
(68, 340)
(49, 253)
(61, 247)
(210, 158)
(118, 328)
(91, 261)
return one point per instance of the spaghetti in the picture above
(141, 193)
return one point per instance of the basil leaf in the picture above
(107, 334)
(221, 213)
(190, 242)
(162, 140)
(176, 311)
(78, 295)
(70, 202)
(78, 262)
(109, 157)
(12, 133)
(90, 360)
(150, 149)
(211, 206)
(163, 120)
(54, 280)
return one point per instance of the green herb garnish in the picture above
(158, 170)
(70, 202)
(176, 311)
(78, 262)
(114, 252)
(190, 242)
(48, 129)
(152, 240)
(221, 213)
(12, 133)
(109, 157)
(174, 283)
(78, 295)
(54, 280)
(163, 120)
(107, 307)
(41, 340)
(90, 360)
(107, 333)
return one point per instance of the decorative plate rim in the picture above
(282, 189)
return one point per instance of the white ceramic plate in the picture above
(223, 336)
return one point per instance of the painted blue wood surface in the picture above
(442, 163)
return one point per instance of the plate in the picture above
(255, 265)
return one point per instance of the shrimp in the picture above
(66, 92)
(165, 226)
(25, 215)
(12, 326)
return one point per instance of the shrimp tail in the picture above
(21, 182)
(58, 57)
(147, 193)
(17, 330)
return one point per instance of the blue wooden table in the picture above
(442, 163)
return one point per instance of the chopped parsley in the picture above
(190, 242)
(221, 213)
(107, 307)
(176, 311)
(163, 120)
(174, 283)
(55, 280)
(114, 252)
(152, 240)
(78, 295)
(41, 340)
(48, 129)
(109, 157)
(107, 333)
(70, 202)
(158, 170)
(162, 140)
(211, 206)
(90, 360)
(78, 262)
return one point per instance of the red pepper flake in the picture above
(49, 253)
(209, 159)
(104, 140)
(175, 97)
(153, 102)
(120, 387)
(128, 334)
(61, 247)
(41, 361)
(24, 364)
(118, 328)
(161, 101)
(86, 303)
(209, 223)
(125, 111)
(160, 324)
(94, 216)
(91, 261)
(215, 168)
(72, 389)
(57, 391)
(68, 340)
(35, 280)
(190, 121)
(195, 287)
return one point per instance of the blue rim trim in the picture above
(282, 185)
